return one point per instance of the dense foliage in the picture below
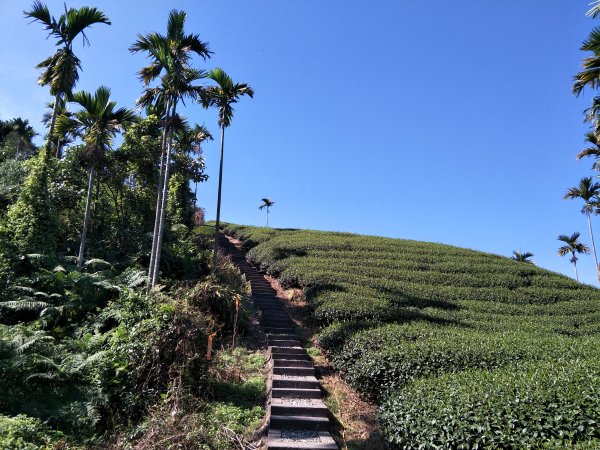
(462, 349)
(89, 354)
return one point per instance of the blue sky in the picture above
(441, 121)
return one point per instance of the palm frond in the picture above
(40, 13)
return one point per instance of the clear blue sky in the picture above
(441, 121)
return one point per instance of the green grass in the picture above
(398, 314)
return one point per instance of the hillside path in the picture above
(298, 418)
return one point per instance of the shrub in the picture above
(545, 405)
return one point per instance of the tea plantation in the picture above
(461, 349)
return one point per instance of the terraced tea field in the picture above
(461, 348)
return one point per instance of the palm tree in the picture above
(522, 257)
(24, 133)
(593, 150)
(98, 121)
(572, 246)
(588, 192)
(60, 71)
(223, 96)
(170, 56)
(267, 203)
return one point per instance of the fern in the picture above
(97, 264)
(24, 305)
(39, 259)
(23, 289)
(59, 268)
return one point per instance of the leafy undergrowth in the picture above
(92, 359)
(461, 349)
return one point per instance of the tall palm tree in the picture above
(522, 257)
(170, 56)
(223, 96)
(60, 71)
(267, 203)
(98, 121)
(587, 191)
(572, 246)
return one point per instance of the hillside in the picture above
(461, 348)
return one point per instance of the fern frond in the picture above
(97, 264)
(23, 305)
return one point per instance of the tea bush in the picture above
(545, 405)
(400, 317)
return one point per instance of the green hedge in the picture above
(545, 405)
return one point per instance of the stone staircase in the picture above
(298, 418)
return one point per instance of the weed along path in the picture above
(298, 418)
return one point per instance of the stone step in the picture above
(289, 350)
(300, 440)
(277, 323)
(296, 393)
(298, 407)
(296, 371)
(287, 329)
(292, 363)
(275, 315)
(284, 342)
(299, 423)
(287, 381)
(291, 356)
(282, 335)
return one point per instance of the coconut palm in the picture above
(223, 96)
(267, 203)
(98, 122)
(522, 257)
(572, 246)
(170, 56)
(587, 191)
(60, 71)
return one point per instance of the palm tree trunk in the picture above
(587, 213)
(575, 265)
(86, 217)
(159, 194)
(163, 206)
(58, 149)
(51, 132)
(267, 217)
(216, 244)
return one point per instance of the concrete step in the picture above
(300, 440)
(291, 356)
(292, 363)
(286, 329)
(298, 407)
(287, 381)
(296, 393)
(275, 315)
(295, 371)
(299, 423)
(288, 350)
(277, 323)
(282, 335)
(284, 342)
